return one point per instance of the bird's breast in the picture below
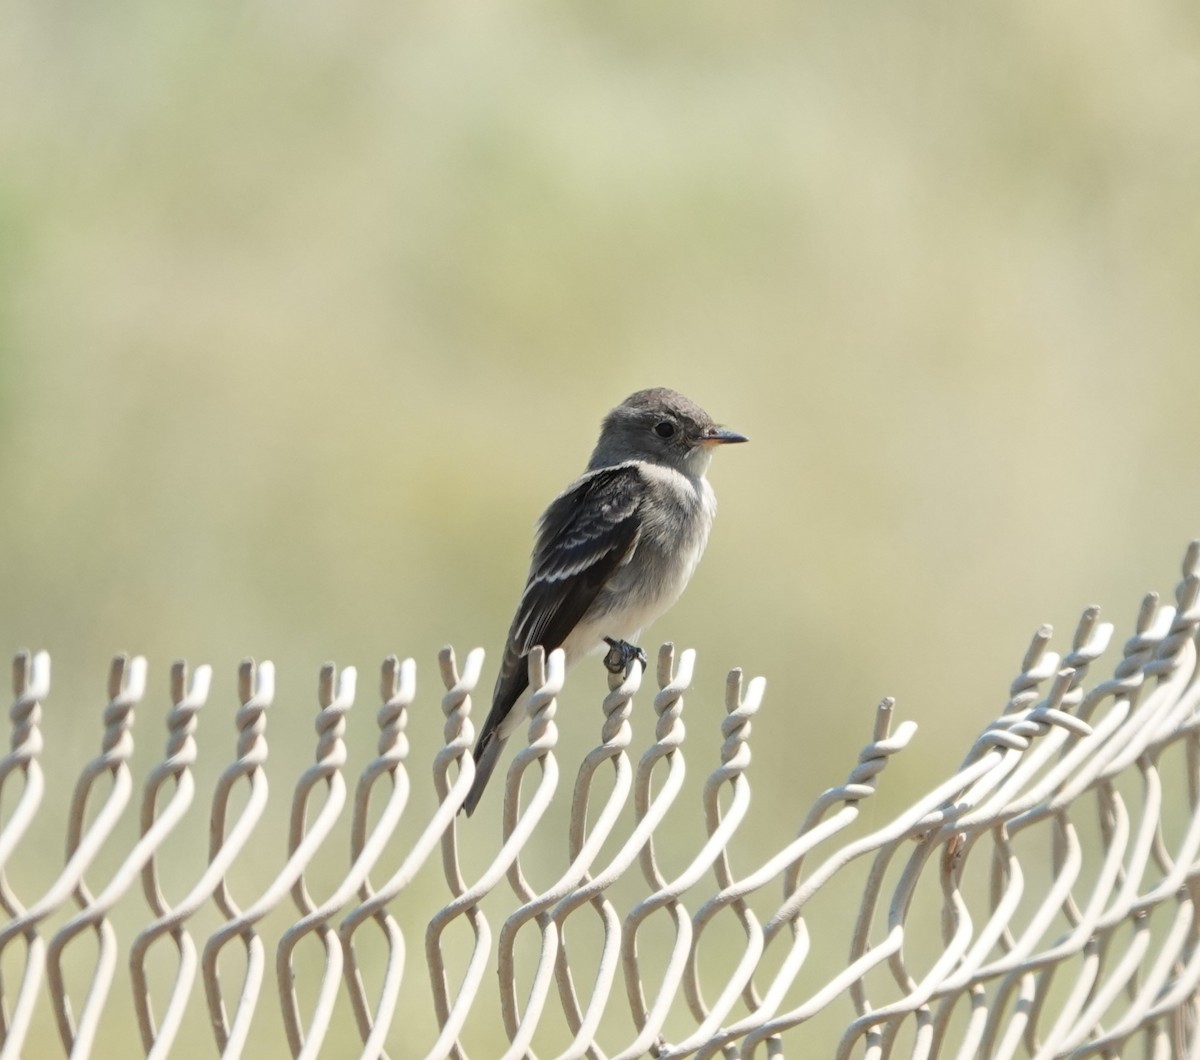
(675, 526)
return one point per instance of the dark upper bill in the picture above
(722, 436)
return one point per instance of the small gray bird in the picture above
(614, 550)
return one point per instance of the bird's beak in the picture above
(722, 436)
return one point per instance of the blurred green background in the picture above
(307, 311)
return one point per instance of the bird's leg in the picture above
(621, 655)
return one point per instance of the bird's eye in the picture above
(664, 429)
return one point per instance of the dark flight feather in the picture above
(583, 537)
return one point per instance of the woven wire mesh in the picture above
(1041, 901)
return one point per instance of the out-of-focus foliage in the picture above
(306, 311)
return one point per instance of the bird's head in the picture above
(663, 427)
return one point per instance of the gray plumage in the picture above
(613, 551)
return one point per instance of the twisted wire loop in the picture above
(397, 687)
(1041, 901)
(126, 686)
(545, 682)
(820, 826)
(256, 692)
(186, 702)
(30, 685)
(735, 758)
(374, 1024)
(584, 846)
(180, 755)
(303, 842)
(550, 908)
(669, 734)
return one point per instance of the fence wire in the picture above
(1039, 902)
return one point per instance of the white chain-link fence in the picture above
(1039, 902)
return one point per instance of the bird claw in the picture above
(621, 655)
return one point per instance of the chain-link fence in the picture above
(1039, 902)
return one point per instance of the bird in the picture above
(612, 551)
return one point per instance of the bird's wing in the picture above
(584, 536)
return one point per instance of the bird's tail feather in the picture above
(486, 758)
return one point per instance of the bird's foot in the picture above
(621, 655)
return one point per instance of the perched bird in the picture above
(614, 550)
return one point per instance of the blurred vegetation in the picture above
(306, 312)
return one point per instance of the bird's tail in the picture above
(486, 757)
